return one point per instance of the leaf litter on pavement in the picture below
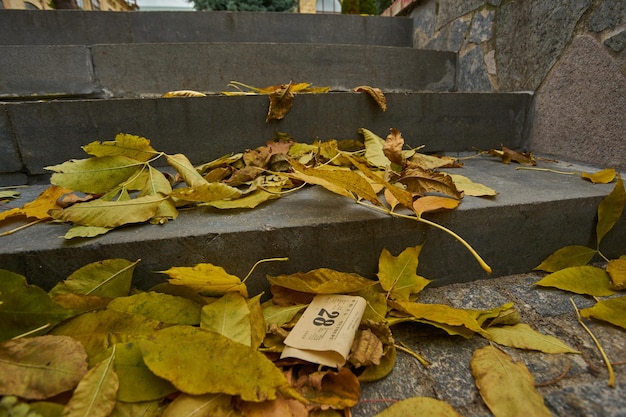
(200, 345)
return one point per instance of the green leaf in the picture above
(230, 317)
(207, 279)
(507, 387)
(110, 214)
(374, 149)
(24, 307)
(41, 367)
(565, 257)
(419, 406)
(96, 394)
(137, 382)
(161, 307)
(580, 280)
(397, 275)
(99, 330)
(322, 281)
(130, 146)
(522, 336)
(47, 409)
(612, 310)
(208, 405)
(94, 175)
(610, 209)
(226, 367)
(108, 278)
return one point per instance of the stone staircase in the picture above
(74, 77)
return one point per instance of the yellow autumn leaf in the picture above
(612, 310)
(471, 188)
(432, 203)
(616, 269)
(426, 161)
(522, 336)
(226, 367)
(347, 183)
(322, 281)
(374, 149)
(601, 177)
(96, 393)
(39, 207)
(281, 101)
(230, 317)
(183, 93)
(207, 405)
(375, 93)
(94, 175)
(186, 170)
(207, 279)
(248, 201)
(566, 257)
(109, 214)
(452, 320)
(580, 280)
(208, 192)
(507, 387)
(610, 210)
(419, 406)
(398, 274)
(130, 146)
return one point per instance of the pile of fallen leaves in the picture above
(95, 346)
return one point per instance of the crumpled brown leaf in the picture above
(509, 155)
(375, 93)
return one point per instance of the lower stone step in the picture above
(534, 214)
(38, 134)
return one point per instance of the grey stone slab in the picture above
(62, 27)
(270, 27)
(206, 128)
(46, 71)
(133, 70)
(86, 28)
(472, 75)
(534, 214)
(579, 108)
(482, 26)
(531, 35)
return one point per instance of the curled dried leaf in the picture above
(375, 93)
(183, 93)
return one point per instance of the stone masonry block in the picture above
(579, 110)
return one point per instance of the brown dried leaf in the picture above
(420, 182)
(508, 155)
(375, 93)
(338, 390)
(281, 101)
(183, 93)
(393, 147)
(434, 161)
(366, 350)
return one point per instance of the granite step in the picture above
(534, 214)
(38, 134)
(52, 27)
(151, 69)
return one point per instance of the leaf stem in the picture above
(475, 254)
(28, 333)
(402, 347)
(17, 229)
(260, 262)
(554, 171)
(609, 367)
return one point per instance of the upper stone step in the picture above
(149, 70)
(30, 27)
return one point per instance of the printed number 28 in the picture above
(321, 321)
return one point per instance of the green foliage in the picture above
(360, 7)
(246, 5)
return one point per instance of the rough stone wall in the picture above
(571, 53)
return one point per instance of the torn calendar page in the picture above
(325, 332)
